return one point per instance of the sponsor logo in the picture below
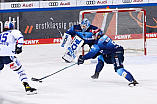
(151, 35)
(126, 1)
(68, 3)
(16, 5)
(53, 3)
(124, 74)
(28, 29)
(27, 5)
(102, 2)
(12, 66)
(31, 42)
(21, 5)
(92, 2)
(57, 40)
(122, 36)
(137, 0)
(65, 40)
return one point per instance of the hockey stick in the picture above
(56, 27)
(40, 80)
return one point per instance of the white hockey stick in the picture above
(56, 27)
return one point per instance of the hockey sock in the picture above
(22, 75)
(99, 66)
(127, 75)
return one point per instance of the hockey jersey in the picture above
(86, 36)
(8, 41)
(103, 45)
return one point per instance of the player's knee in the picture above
(15, 65)
(101, 59)
(120, 71)
(100, 63)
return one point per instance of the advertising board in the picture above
(49, 4)
(129, 1)
(20, 5)
(93, 2)
(38, 25)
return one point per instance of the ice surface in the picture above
(74, 85)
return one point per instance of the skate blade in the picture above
(132, 85)
(31, 93)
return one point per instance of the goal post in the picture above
(127, 27)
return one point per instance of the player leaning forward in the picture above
(82, 34)
(108, 52)
(11, 42)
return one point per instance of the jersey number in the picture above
(3, 37)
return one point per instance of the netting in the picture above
(125, 26)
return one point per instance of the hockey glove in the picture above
(96, 31)
(18, 50)
(80, 60)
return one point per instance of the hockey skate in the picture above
(29, 90)
(133, 83)
(95, 76)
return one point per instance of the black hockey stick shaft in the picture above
(35, 79)
(56, 27)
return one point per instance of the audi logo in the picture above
(15, 5)
(126, 1)
(90, 2)
(53, 3)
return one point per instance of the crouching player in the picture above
(11, 42)
(109, 52)
(82, 34)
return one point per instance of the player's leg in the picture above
(73, 49)
(99, 67)
(13, 63)
(117, 60)
(1, 64)
(101, 60)
(66, 40)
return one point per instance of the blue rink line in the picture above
(79, 7)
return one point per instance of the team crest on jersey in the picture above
(12, 66)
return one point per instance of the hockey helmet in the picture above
(8, 25)
(85, 24)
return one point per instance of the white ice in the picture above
(74, 85)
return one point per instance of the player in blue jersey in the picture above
(82, 31)
(109, 52)
(11, 42)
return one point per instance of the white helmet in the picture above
(8, 25)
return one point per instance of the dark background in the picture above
(66, 18)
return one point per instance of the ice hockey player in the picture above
(82, 34)
(11, 41)
(110, 53)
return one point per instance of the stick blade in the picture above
(35, 79)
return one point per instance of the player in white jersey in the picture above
(11, 42)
